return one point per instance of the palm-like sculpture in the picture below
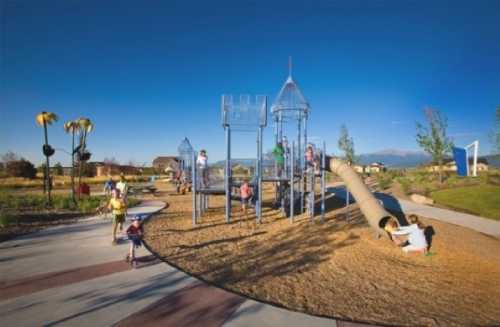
(72, 127)
(43, 119)
(85, 127)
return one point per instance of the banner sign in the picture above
(460, 156)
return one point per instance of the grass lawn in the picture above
(483, 200)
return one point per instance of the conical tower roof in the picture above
(185, 147)
(290, 98)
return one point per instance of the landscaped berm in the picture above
(336, 269)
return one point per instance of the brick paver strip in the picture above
(194, 305)
(42, 282)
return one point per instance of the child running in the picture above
(119, 208)
(246, 194)
(134, 233)
(415, 233)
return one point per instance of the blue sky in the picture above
(150, 73)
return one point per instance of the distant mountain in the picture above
(395, 158)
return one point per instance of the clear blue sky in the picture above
(150, 73)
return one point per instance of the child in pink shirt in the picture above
(246, 194)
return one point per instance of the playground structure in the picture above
(295, 179)
(185, 159)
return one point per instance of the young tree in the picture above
(44, 119)
(346, 144)
(433, 139)
(58, 169)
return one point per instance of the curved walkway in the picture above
(72, 276)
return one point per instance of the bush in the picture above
(21, 168)
(405, 184)
(384, 180)
(5, 219)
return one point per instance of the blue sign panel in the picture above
(460, 156)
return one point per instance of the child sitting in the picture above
(134, 233)
(416, 237)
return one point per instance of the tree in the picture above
(43, 119)
(495, 135)
(72, 127)
(58, 169)
(85, 127)
(346, 144)
(20, 168)
(9, 156)
(433, 139)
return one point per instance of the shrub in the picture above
(384, 180)
(21, 168)
(405, 184)
(5, 219)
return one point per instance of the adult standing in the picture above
(202, 163)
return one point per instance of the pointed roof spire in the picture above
(290, 67)
(290, 97)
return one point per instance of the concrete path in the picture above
(72, 276)
(480, 224)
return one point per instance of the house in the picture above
(109, 169)
(160, 164)
(450, 165)
(376, 167)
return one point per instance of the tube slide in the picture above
(370, 207)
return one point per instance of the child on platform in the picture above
(202, 163)
(279, 157)
(134, 233)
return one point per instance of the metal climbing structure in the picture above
(296, 176)
(238, 114)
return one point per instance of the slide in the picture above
(368, 204)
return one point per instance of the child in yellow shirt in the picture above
(119, 209)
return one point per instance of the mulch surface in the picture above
(336, 269)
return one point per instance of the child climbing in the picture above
(119, 209)
(309, 155)
(279, 157)
(246, 194)
(202, 163)
(415, 236)
(134, 233)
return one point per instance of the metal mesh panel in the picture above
(244, 111)
(290, 102)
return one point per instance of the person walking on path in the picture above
(202, 163)
(122, 186)
(279, 157)
(134, 233)
(119, 209)
(109, 186)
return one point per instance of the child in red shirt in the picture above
(134, 233)
(246, 194)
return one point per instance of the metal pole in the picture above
(323, 170)
(292, 174)
(301, 170)
(193, 186)
(476, 149)
(227, 173)
(259, 176)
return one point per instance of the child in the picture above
(109, 186)
(134, 233)
(390, 227)
(122, 186)
(119, 208)
(246, 194)
(309, 156)
(416, 237)
(279, 157)
(202, 163)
